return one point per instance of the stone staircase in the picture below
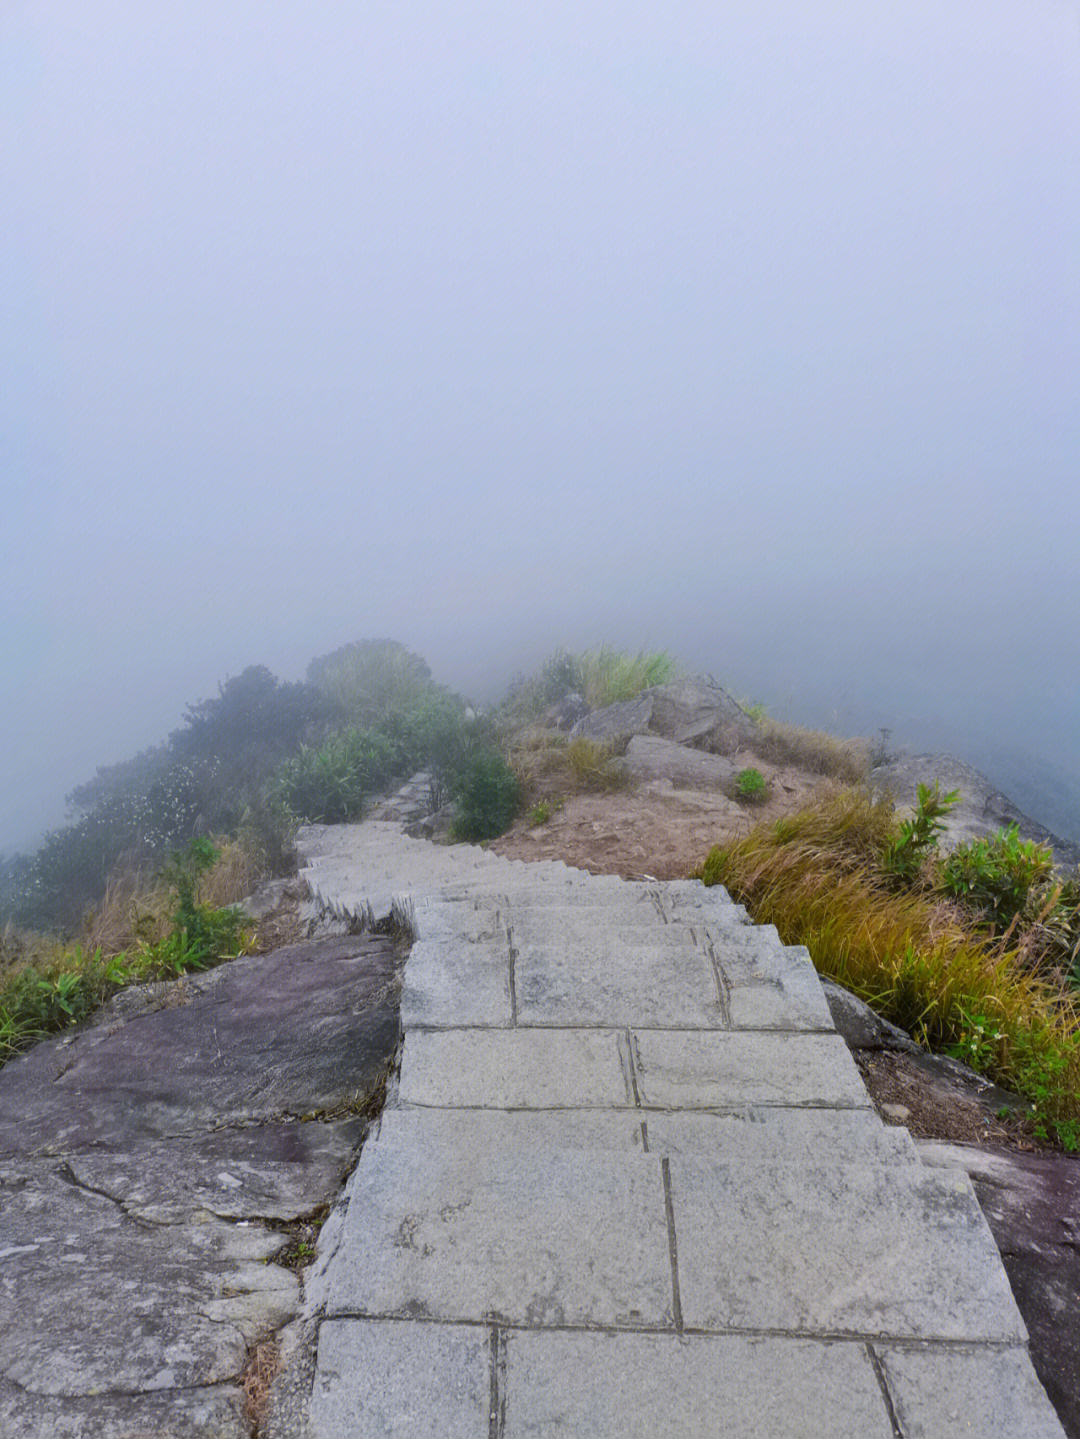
(630, 1184)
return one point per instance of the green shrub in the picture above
(539, 814)
(750, 785)
(994, 877)
(328, 784)
(488, 795)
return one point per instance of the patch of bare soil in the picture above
(904, 1093)
(656, 830)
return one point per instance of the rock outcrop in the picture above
(694, 711)
(982, 808)
(151, 1163)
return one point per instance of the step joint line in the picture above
(879, 1375)
(512, 959)
(723, 985)
(507, 1326)
(626, 1063)
(673, 1253)
(497, 1393)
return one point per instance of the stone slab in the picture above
(717, 1070)
(989, 1393)
(791, 1136)
(385, 1380)
(454, 982)
(533, 1237)
(873, 1250)
(660, 979)
(644, 1386)
(490, 1130)
(514, 1069)
(769, 985)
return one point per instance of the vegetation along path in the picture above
(628, 1182)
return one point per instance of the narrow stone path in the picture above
(631, 1184)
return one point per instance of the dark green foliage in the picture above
(232, 743)
(917, 837)
(488, 796)
(327, 785)
(199, 933)
(994, 877)
(562, 674)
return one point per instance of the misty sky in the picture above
(751, 331)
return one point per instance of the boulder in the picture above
(565, 713)
(649, 757)
(697, 711)
(694, 711)
(982, 810)
(860, 1026)
(616, 724)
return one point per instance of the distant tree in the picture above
(233, 741)
(368, 681)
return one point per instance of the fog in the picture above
(749, 331)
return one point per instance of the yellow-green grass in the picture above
(815, 875)
(608, 676)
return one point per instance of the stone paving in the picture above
(630, 1184)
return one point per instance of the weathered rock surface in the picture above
(264, 1037)
(565, 713)
(691, 712)
(651, 757)
(1032, 1203)
(860, 1026)
(147, 1163)
(982, 808)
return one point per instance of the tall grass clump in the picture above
(608, 676)
(820, 877)
(551, 766)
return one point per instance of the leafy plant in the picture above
(750, 785)
(539, 814)
(905, 854)
(488, 795)
(995, 876)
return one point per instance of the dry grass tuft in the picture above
(262, 1368)
(841, 759)
(134, 907)
(237, 873)
(22, 947)
(550, 766)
